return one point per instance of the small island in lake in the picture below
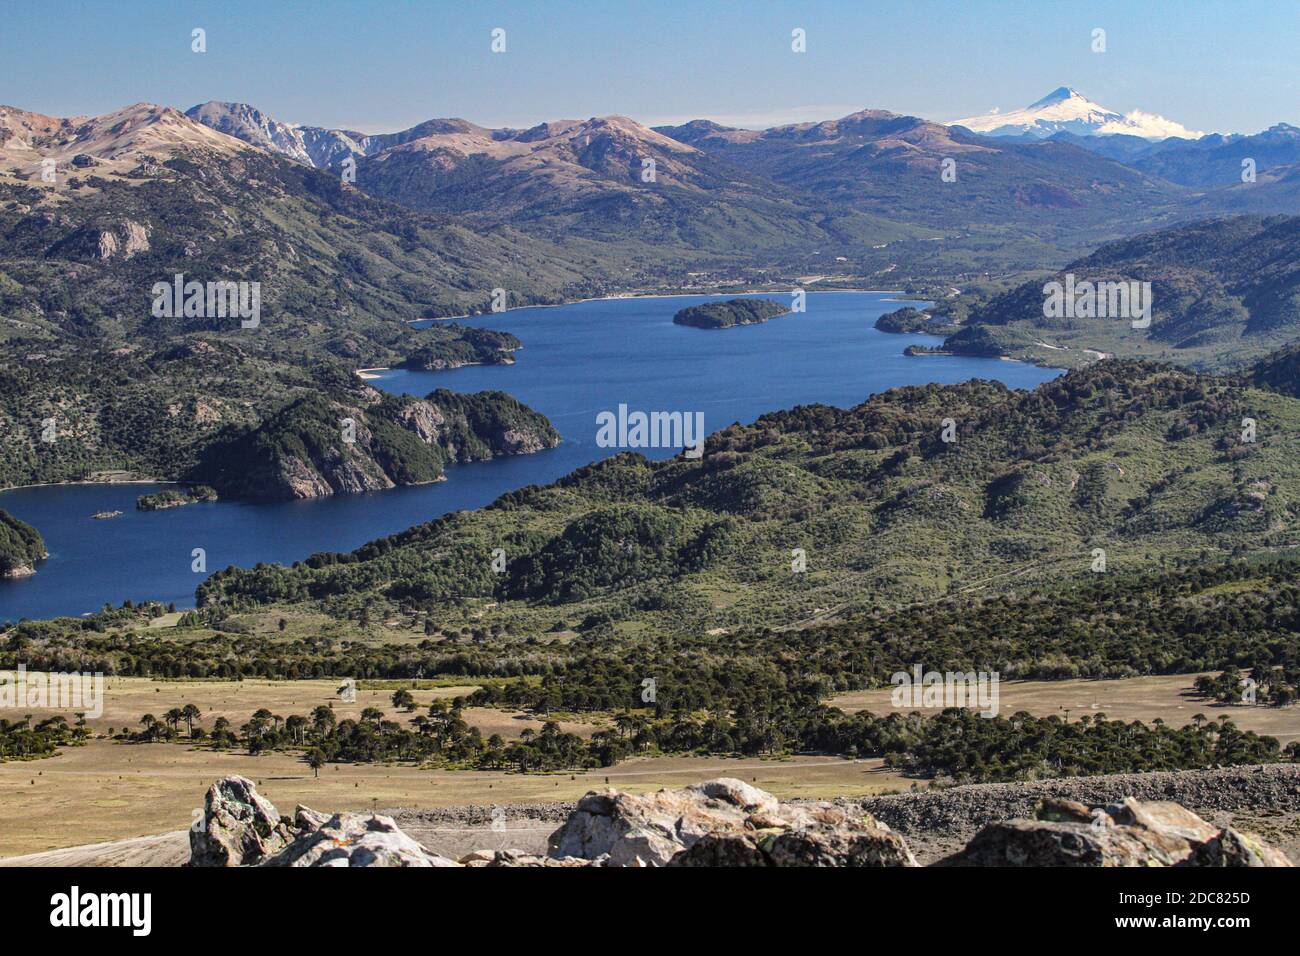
(724, 315)
(454, 346)
(21, 546)
(172, 498)
(909, 319)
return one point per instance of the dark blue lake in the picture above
(577, 361)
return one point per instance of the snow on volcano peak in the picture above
(1067, 110)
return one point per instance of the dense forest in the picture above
(173, 498)
(21, 740)
(953, 746)
(318, 445)
(210, 412)
(463, 345)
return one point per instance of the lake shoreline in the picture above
(645, 295)
(830, 356)
(123, 481)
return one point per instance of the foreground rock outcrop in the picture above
(726, 822)
(352, 839)
(1129, 833)
(240, 827)
(723, 822)
(940, 822)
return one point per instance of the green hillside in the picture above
(1142, 461)
(248, 424)
(1224, 291)
(96, 377)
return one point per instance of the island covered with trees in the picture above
(175, 498)
(21, 546)
(454, 346)
(733, 312)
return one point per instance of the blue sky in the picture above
(380, 65)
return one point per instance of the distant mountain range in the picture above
(1066, 110)
(1065, 172)
(1213, 160)
(609, 179)
(446, 211)
(610, 203)
(893, 165)
(145, 192)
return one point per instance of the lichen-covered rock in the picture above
(652, 828)
(722, 822)
(1229, 847)
(819, 835)
(1129, 833)
(307, 820)
(240, 827)
(355, 839)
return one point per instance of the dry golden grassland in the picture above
(109, 790)
(1169, 697)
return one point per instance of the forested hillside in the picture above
(1142, 462)
(1223, 292)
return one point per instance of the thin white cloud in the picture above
(1150, 125)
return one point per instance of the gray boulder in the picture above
(1130, 833)
(722, 822)
(819, 835)
(240, 827)
(306, 820)
(355, 839)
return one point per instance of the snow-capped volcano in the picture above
(1067, 110)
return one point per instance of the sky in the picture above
(384, 65)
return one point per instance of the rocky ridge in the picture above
(726, 822)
